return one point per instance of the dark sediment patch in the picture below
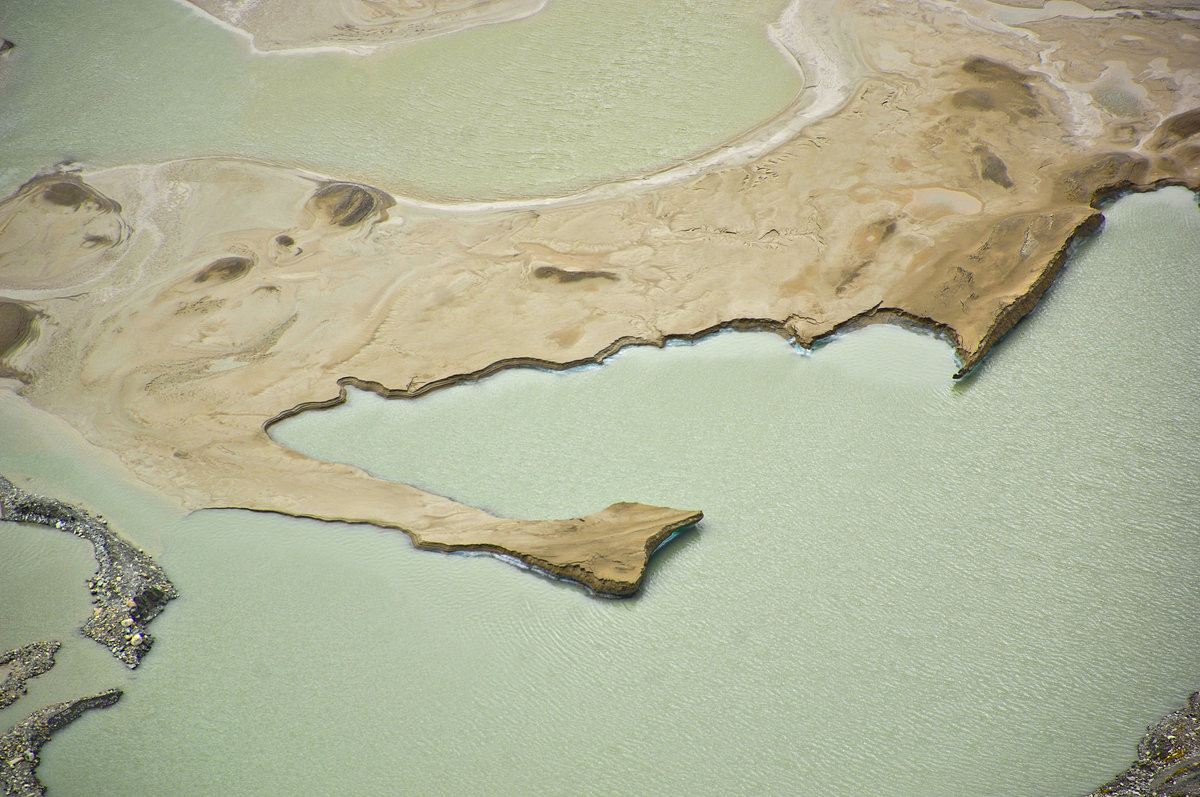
(1000, 87)
(66, 194)
(562, 275)
(24, 663)
(92, 240)
(1175, 129)
(68, 191)
(1168, 759)
(975, 99)
(16, 326)
(16, 329)
(129, 589)
(349, 204)
(225, 269)
(19, 747)
(992, 168)
(991, 71)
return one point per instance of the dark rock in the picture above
(1168, 762)
(127, 585)
(19, 747)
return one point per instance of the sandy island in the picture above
(172, 312)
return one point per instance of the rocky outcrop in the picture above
(19, 747)
(19, 665)
(1168, 759)
(171, 313)
(129, 589)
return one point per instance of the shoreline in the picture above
(128, 589)
(1086, 230)
(257, 285)
(22, 664)
(1168, 758)
(20, 747)
(829, 82)
(249, 290)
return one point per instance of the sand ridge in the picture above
(172, 312)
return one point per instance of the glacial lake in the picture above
(902, 586)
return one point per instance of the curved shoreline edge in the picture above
(825, 63)
(24, 663)
(1168, 758)
(20, 747)
(128, 589)
(968, 360)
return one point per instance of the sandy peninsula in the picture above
(171, 312)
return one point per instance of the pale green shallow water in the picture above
(584, 92)
(900, 588)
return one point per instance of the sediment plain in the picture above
(945, 161)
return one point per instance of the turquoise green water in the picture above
(583, 92)
(901, 587)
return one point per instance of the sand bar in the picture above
(171, 312)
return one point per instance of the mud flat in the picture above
(129, 589)
(19, 747)
(172, 312)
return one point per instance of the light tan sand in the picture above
(358, 25)
(178, 309)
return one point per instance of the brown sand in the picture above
(181, 308)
